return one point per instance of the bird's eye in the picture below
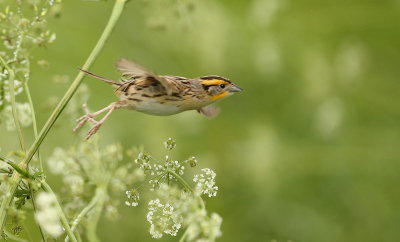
(222, 85)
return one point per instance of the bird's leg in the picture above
(89, 116)
(98, 124)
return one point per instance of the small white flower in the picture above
(75, 184)
(111, 212)
(170, 144)
(133, 198)
(163, 218)
(204, 228)
(144, 162)
(47, 214)
(24, 116)
(192, 161)
(206, 182)
(175, 166)
(61, 162)
(112, 153)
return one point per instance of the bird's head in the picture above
(218, 87)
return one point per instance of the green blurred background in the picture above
(308, 152)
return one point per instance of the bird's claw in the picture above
(89, 117)
(93, 130)
(82, 120)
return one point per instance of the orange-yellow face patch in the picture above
(214, 82)
(219, 96)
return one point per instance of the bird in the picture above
(141, 90)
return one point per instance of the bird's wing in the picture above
(131, 69)
(209, 111)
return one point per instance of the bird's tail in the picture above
(114, 83)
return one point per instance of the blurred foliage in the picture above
(308, 152)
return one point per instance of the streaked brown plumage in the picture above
(144, 91)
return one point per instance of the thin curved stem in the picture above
(95, 215)
(63, 218)
(34, 123)
(181, 180)
(85, 211)
(11, 79)
(184, 235)
(186, 185)
(15, 179)
(200, 200)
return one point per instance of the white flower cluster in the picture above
(124, 176)
(76, 184)
(150, 166)
(204, 228)
(174, 166)
(22, 30)
(5, 87)
(192, 161)
(177, 206)
(144, 162)
(205, 182)
(47, 214)
(170, 144)
(88, 161)
(24, 116)
(133, 198)
(88, 166)
(187, 213)
(61, 162)
(163, 218)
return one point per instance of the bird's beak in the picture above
(234, 88)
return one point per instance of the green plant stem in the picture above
(63, 218)
(18, 169)
(15, 179)
(184, 235)
(33, 196)
(35, 132)
(46, 188)
(11, 79)
(98, 196)
(13, 237)
(116, 13)
(78, 236)
(34, 123)
(91, 235)
(186, 185)
(182, 181)
(27, 232)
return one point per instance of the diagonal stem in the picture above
(15, 179)
(184, 235)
